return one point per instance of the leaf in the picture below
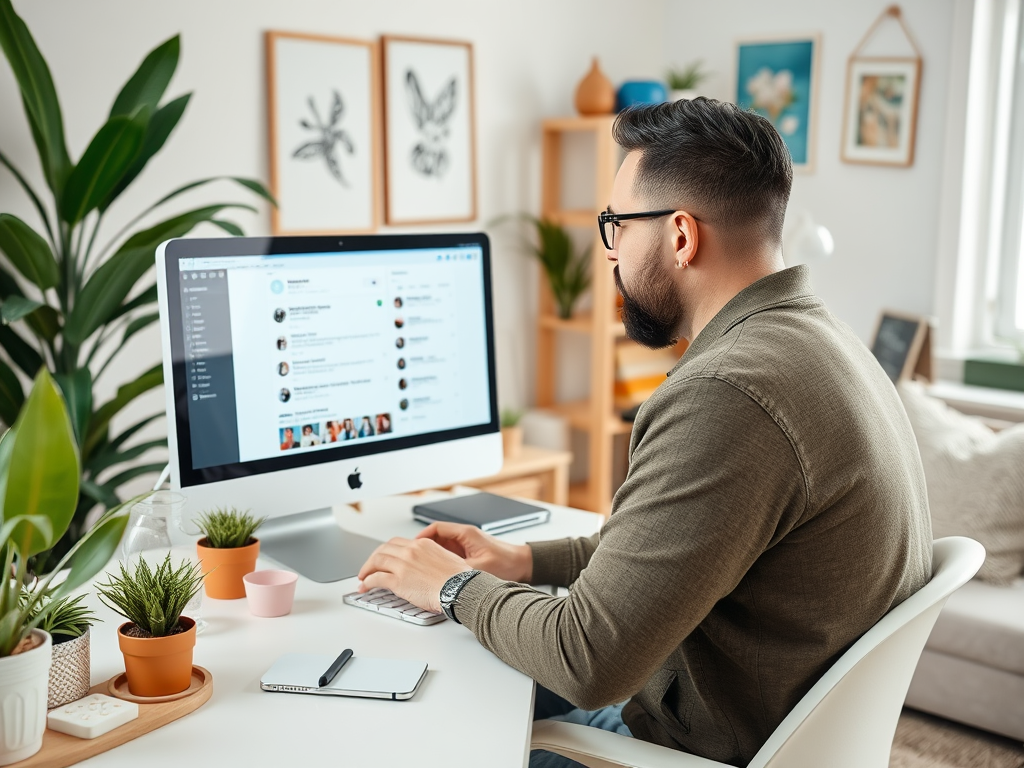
(38, 96)
(148, 296)
(12, 396)
(42, 477)
(154, 377)
(30, 192)
(228, 226)
(308, 150)
(146, 87)
(45, 321)
(108, 459)
(121, 439)
(138, 324)
(158, 130)
(77, 389)
(131, 473)
(106, 160)
(16, 307)
(98, 493)
(28, 533)
(9, 285)
(251, 184)
(28, 251)
(108, 286)
(19, 350)
(94, 551)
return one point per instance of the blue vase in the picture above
(634, 92)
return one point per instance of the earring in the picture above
(679, 264)
(682, 264)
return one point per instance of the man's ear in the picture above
(685, 238)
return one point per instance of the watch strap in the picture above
(450, 592)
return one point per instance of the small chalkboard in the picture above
(903, 346)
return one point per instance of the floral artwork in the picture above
(881, 111)
(324, 133)
(430, 155)
(776, 80)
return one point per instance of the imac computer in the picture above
(304, 372)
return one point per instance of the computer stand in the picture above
(312, 545)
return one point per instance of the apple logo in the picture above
(354, 481)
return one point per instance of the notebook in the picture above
(490, 513)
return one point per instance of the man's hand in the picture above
(512, 562)
(414, 570)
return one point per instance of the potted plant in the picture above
(73, 295)
(39, 476)
(568, 271)
(511, 432)
(67, 621)
(227, 550)
(684, 81)
(156, 641)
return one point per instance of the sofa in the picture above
(972, 668)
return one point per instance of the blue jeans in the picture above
(552, 707)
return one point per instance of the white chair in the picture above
(847, 719)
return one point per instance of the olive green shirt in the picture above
(773, 511)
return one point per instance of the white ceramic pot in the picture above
(23, 682)
(678, 94)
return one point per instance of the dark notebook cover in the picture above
(484, 510)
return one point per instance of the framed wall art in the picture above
(880, 119)
(778, 78)
(324, 130)
(430, 143)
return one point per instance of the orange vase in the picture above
(595, 95)
(158, 666)
(224, 568)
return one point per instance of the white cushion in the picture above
(975, 480)
(983, 623)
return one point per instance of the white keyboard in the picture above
(386, 602)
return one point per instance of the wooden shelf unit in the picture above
(596, 416)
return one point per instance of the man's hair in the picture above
(730, 166)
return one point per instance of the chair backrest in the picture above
(848, 718)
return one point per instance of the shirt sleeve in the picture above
(713, 482)
(560, 561)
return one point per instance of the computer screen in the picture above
(307, 371)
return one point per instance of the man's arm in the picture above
(559, 562)
(713, 482)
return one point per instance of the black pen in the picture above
(335, 668)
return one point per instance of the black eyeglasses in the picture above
(608, 222)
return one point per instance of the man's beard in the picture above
(652, 313)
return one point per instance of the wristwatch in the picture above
(450, 592)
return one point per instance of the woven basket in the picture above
(69, 674)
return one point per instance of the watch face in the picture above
(451, 587)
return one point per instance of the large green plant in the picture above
(70, 299)
(568, 271)
(39, 475)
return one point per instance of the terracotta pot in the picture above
(158, 666)
(224, 568)
(23, 678)
(511, 441)
(595, 95)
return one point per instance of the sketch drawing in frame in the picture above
(324, 130)
(430, 143)
(778, 79)
(880, 121)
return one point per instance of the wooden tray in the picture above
(61, 750)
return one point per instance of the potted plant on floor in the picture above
(227, 551)
(67, 621)
(156, 641)
(39, 476)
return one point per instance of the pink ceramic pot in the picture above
(270, 593)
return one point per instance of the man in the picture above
(775, 504)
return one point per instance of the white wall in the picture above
(529, 55)
(885, 221)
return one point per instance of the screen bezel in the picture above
(271, 246)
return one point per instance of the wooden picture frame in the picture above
(880, 117)
(430, 131)
(902, 344)
(323, 117)
(777, 77)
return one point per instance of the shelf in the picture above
(600, 123)
(582, 322)
(578, 414)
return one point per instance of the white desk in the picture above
(469, 696)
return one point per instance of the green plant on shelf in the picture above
(151, 599)
(687, 78)
(510, 417)
(71, 297)
(228, 528)
(567, 270)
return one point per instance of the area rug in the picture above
(923, 741)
